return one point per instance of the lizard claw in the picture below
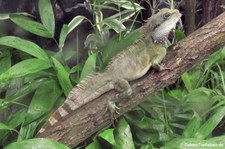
(114, 110)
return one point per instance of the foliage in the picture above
(40, 79)
(36, 82)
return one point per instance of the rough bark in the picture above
(91, 118)
(190, 8)
(211, 9)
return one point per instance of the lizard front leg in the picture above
(124, 90)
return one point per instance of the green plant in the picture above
(39, 80)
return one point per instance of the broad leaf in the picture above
(28, 131)
(14, 121)
(24, 68)
(94, 145)
(75, 22)
(63, 77)
(47, 15)
(6, 127)
(5, 59)
(43, 100)
(89, 66)
(38, 143)
(108, 136)
(211, 123)
(128, 5)
(187, 81)
(25, 46)
(192, 126)
(183, 143)
(30, 25)
(62, 37)
(5, 16)
(123, 136)
(115, 24)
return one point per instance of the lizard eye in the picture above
(166, 15)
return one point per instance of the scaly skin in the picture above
(131, 64)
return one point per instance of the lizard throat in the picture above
(160, 33)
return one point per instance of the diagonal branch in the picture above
(91, 118)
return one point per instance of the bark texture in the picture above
(91, 118)
(190, 8)
(211, 9)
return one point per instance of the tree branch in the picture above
(91, 118)
(211, 9)
(190, 8)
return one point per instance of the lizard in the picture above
(128, 65)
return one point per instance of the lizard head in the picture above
(161, 23)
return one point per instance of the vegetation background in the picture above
(47, 47)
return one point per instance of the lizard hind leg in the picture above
(124, 90)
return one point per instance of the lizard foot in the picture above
(113, 109)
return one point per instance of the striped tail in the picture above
(90, 88)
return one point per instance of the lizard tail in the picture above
(90, 88)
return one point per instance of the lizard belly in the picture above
(138, 68)
(139, 73)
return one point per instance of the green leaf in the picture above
(63, 34)
(192, 127)
(98, 20)
(115, 24)
(75, 22)
(108, 136)
(123, 136)
(214, 58)
(149, 146)
(30, 25)
(5, 16)
(15, 119)
(124, 15)
(5, 127)
(23, 91)
(105, 7)
(28, 131)
(94, 145)
(182, 143)
(219, 139)
(25, 46)
(37, 143)
(24, 68)
(187, 82)
(76, 68)
(5, 59)
(93, 41)
(179, 35)
(63, 77)
(43, 100)
(89, 66)
(211, 123)
(200, 100)
(128, 5)
(47, 15)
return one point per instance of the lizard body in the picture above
(130, 64)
